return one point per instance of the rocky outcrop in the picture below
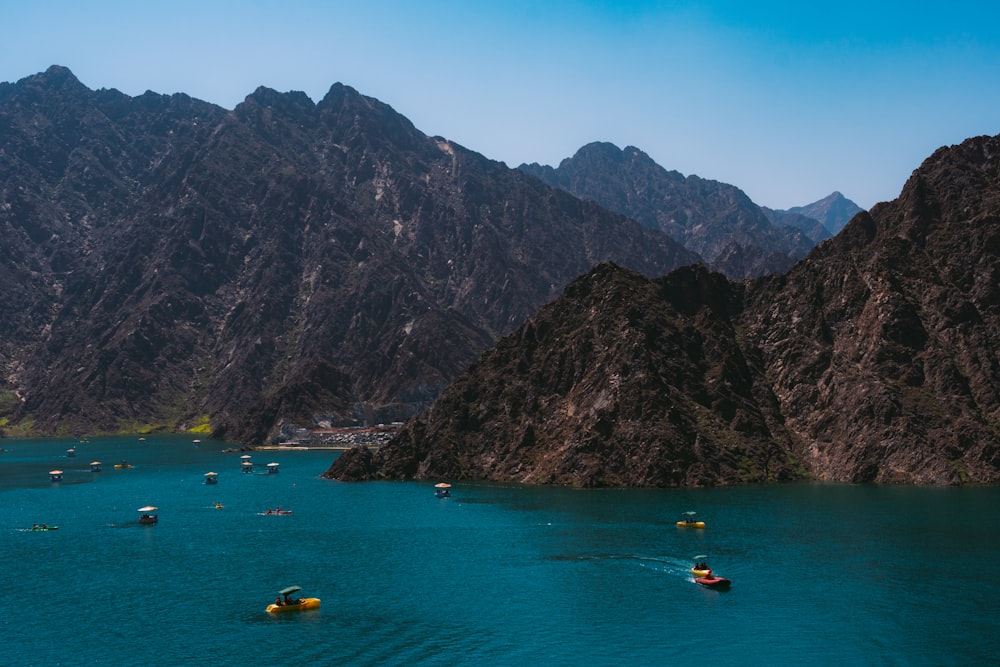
(872, 360)
(621, 382)
(882, 344)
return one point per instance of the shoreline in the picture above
(342, 448)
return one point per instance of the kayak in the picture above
(713, 581)
(304, 603)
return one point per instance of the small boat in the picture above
(145, 517)
(56, 475)
(284, 602)
(701, 568)
(211, 478)
(442, 490)
(44, 526)
(95, 466)
(689, 522)
(123, 464)
(218, 506)
(713, 581)
(278, 511)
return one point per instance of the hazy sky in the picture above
(787, 100)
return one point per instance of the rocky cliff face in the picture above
(621, 382)
(872, 360)
(715, 220)
(882, 344)
(287, 260)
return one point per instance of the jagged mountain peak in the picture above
(56, 77)
(293, 99)
(629, 159)
(39, 87)
(833, 211)
(168, 260)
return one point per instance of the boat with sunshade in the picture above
(690, 522)
(285, 602)
(442, 490)
(146, 515)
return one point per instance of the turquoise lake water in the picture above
(494, 575)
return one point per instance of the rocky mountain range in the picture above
(169, 264)
(874, 359)
(716, 220)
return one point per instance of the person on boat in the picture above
(34, 526)
(45, 526)
(278, 602)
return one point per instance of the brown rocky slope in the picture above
(872, 360)
(168, 262)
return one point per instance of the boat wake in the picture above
(680, 567)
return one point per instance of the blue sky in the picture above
(787, 100)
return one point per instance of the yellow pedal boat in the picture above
(303, 603)
(284, 602)
(689, 522)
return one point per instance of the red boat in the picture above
(713, 581)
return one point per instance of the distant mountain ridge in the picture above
(874, 359)
(834, 211)
(716, 220)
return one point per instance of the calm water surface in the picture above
(495, 575)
